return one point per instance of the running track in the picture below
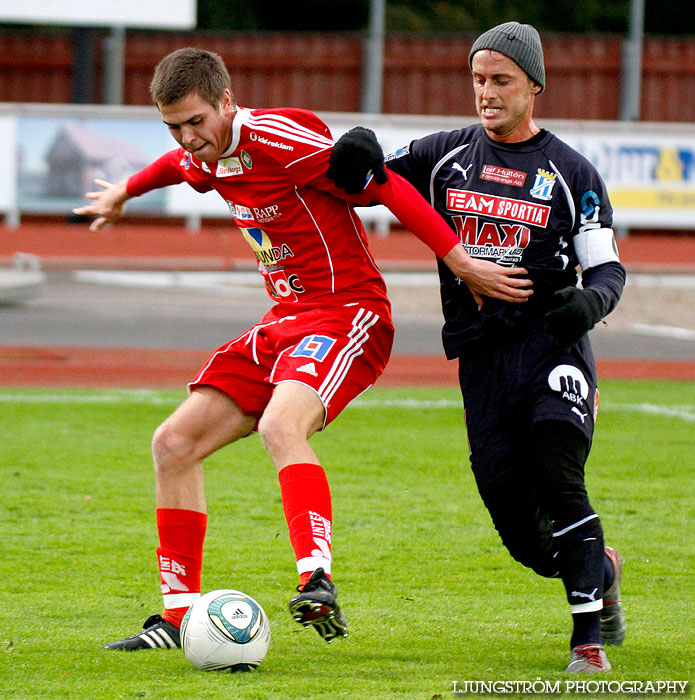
(135, 246)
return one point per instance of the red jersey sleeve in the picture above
(304, 154)
(413, 211)
(162, 172)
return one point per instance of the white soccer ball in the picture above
(225, 630)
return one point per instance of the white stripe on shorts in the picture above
(362, 322)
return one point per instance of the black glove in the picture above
(354, 155)
(573, 312)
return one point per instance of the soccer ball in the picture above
(225, 630)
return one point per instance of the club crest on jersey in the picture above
(246, 160)
(543, 185)
(228, 167)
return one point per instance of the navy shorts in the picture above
(509, 388)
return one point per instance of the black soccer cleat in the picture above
(316, 604)
(612, 616)
(157, 634)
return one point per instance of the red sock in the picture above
(180, 557)
(306, 500)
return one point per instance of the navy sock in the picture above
(586, 628)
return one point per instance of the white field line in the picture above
(136, 396)
(684, 412)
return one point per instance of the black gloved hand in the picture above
(354, 155)
(573, 312)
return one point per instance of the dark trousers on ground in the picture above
(529, 414)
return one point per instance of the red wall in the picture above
(322, 72)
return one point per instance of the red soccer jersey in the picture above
(311, 246)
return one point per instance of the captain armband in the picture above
(596, 247)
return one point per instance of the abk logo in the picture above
(314, 346)
(571, 383)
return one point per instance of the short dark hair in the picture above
(187, 71)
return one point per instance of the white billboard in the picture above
(152, 14)
(8, 157)
(52, 153)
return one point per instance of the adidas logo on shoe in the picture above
(157, 634)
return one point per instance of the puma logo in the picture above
(579, 413)
(462, 170)
(590, 596)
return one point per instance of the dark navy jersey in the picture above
(537, 204)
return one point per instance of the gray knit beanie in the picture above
(520, 42)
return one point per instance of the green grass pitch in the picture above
(430, 595)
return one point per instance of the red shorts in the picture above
(339, 352)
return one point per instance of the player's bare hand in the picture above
(488, 279)
(108, 204)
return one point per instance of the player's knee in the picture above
(171, 448)
(565, 500)
(532, 550)
(277, 431)
(525, 531)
